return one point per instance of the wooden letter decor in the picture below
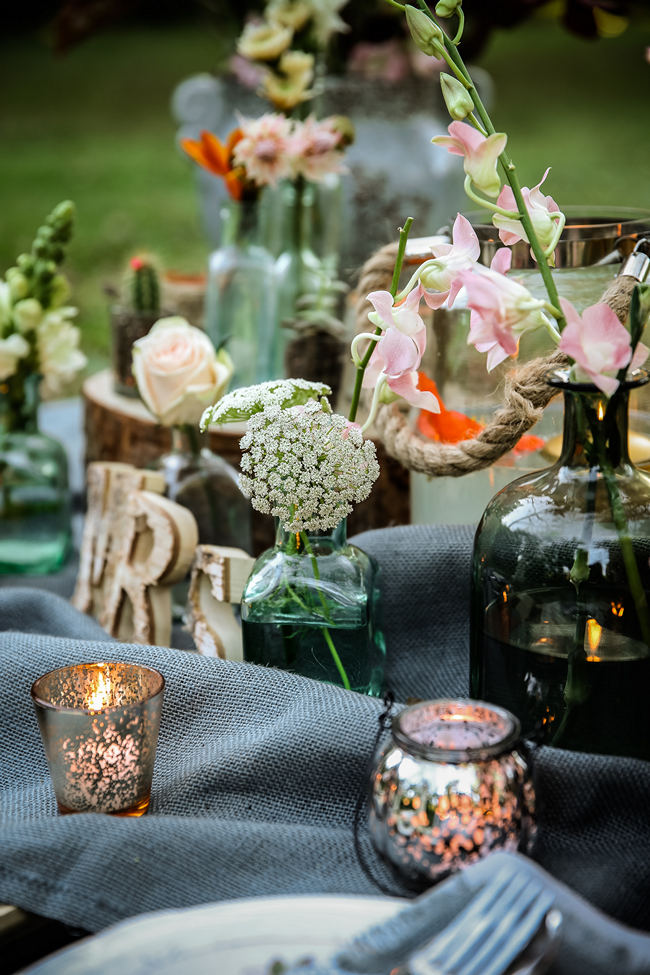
(219, 575)
(135, 545)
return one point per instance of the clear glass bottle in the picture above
(202, 481)
(310, 606)
(560, 627)
(241, 297)
(35, 502)
(299, 271)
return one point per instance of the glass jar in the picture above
(310, 606)
(452, 784)
(560, 629)
(35, 502)
(241, 299)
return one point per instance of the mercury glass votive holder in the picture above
(99, 724)
(452, 784)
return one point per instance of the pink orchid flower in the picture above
(539, 209)
(480, 154)
(440, 274)
(501, 311)
(598, 343)
(398, 353)
(404, 317)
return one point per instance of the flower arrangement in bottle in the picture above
(248, 294)
(311, 602)
(560, 619)
(39, 354)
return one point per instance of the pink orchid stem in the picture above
(361, 368)
(457, 65)
(510, 173)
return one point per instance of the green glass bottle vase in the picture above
(560, 627)
(311, 606)
(35, 502)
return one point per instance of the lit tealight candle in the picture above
(99, 724)
(450, 786)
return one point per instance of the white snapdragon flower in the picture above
(12, 349)
(305, 466)
(27, 314)
(59, 355)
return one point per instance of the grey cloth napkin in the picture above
(258, 772)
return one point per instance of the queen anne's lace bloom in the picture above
(242, 403)
(311, 485)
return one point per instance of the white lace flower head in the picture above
(305, 466)
(243, 403)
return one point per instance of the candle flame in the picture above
(601, 411)
(100, 697)
(594, 631)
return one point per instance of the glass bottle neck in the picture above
(595, 428)
(299, 217)
(316, 543)
(188, 440)
(19, 400)
(240, 221)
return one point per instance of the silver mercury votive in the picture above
(451, 785)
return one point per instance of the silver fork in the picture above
(492, 931)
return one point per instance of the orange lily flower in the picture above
(451, 426)
(217, 158)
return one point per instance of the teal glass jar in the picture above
(560, 626)
(311, 606)
(241, 297)
(35, 502)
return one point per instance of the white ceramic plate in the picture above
(240, 937)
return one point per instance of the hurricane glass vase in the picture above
(311, 606)
(35, 503)
(560, 627)
(241, 296)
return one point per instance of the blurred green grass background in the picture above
(95, 126)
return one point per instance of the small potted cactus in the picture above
(132, 318)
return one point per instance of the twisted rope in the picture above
(526, 393)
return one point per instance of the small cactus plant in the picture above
(142, 286)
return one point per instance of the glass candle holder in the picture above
(452, 784)
(99, 724)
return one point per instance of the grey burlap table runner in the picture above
(258, 771)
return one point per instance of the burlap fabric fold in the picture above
(258, 772)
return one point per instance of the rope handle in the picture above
(526, 392)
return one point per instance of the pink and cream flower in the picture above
(501, 311)
(540, 209)
(480, 154)
(599, 344)
(316, 149)
(397, 355)
(264, 148)
(441, 274)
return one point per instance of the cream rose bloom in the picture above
(179, 372)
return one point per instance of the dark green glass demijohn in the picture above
(560, 628)
(310, 606)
